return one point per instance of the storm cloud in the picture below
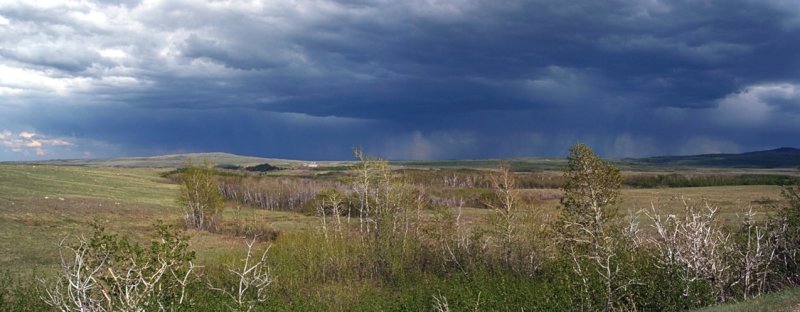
(420, 79)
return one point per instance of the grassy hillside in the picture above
(784, 301)
(39, 181)
(174, 161)
(42, 204)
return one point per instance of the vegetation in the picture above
(265, 167)
(272, 193)
(781, 301)
(589, 231)
(199, 197)
(680, 180)
(383, 239)
(108, 273)
(228, 166)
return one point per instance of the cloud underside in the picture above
(411, 79)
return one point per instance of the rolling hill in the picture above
(785, 157)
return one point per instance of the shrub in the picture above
(262, 168)
(108, 272)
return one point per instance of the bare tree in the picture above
(757, 254)
(253, 279)
(695, 241)
(330, 203)
(76, 287)
(385, 199)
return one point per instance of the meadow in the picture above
(41, 204)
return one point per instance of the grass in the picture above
(40, 205)
(783, 301)
(40, 181)
(732, 201)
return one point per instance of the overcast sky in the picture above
(411, 79)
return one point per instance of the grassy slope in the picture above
(40, 205)
(784, 301)
(38, 181)
(178, 160)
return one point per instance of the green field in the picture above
(42, 204)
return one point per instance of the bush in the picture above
(262, 168)
(108, 272)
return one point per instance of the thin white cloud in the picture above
(26, 135)
(30, 143)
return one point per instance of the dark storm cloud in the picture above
(410, 79)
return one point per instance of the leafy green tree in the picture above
(592, 188)
(592, 237)
(199, 197)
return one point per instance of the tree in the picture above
(199, 197)
(330, 202)
(591, 189)
(592, 241)
(505, 204)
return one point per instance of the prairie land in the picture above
(43, 204)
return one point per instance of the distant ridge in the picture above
(784, 157)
